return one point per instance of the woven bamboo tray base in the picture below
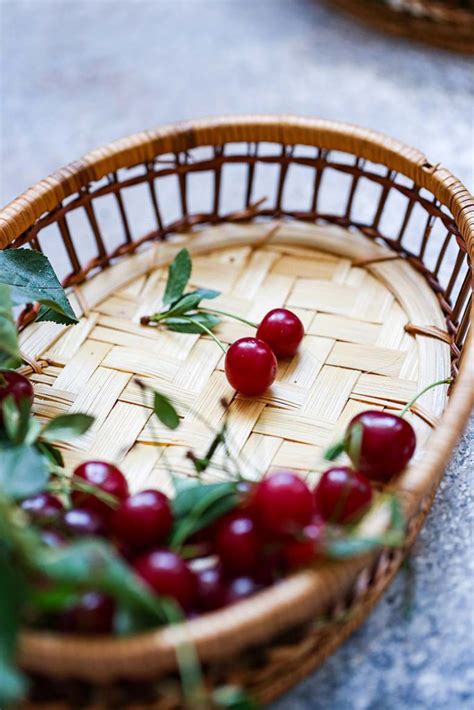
(375, 336)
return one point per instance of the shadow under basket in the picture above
(368, 242)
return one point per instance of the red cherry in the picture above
(387, 444)
(168, 575)
(282, 330)
(250, 366)
(42, 507)
(343, 495)
(237, 544)
(282, 503)
(239, 588)
(302, 551)
(211, 588)
(80, 522)
(16, 385)
(143, 519)
(92, 614)
(105, 476)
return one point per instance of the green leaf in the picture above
(165, 411)
(13, 586)
(11, 417)
(66, 426)
(52, 454)
(335, 450)
(181, 325)
(31, 277)
(199, 505)
(48, 314)
(17, 419)
(23, 471)
(179, 272)
(231, 697)
(9, 349)
(92, 564)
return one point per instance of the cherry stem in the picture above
(230, 315)
(410, 404)
(205, 329)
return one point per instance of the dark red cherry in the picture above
(238, 589)
(42, 507)
(143, 519)
(343, 495)
(92, 614)
(250, 366)
(282, 330)
(80, 522)
(237, 544)
(282, 503)
(211, 588)
(385, 447)
(105, 476)
(303, 550)
(168, 575)
(16, 385)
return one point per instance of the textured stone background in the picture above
(76, 74)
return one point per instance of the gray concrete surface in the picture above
(76, 74)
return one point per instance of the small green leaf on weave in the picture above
(182, 325)
(179, 272)
(165, 411)
(66, 426)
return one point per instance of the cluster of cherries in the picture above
(251, 363)
(279, 524)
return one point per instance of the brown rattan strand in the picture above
(427, 21)
(26, 221)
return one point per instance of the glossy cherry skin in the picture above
(302, 551)
(282, 330)
(92, 614)
(143, 519)
(282, 503)
(16, 385)
(237, 544)
(80, 522)
(211, 588)
(343, 495)
(238, 589)
(250, 366)
(42, 507)
(105, 476)
(388, 443)
(168, 575)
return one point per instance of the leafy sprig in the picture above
(180, 311)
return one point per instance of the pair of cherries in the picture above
(251, 363)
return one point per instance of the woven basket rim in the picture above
(293, 600)
(371, 145)
(429, 21)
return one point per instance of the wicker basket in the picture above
(368, 241)
(443, 23)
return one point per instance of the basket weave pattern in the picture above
(386, 310)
